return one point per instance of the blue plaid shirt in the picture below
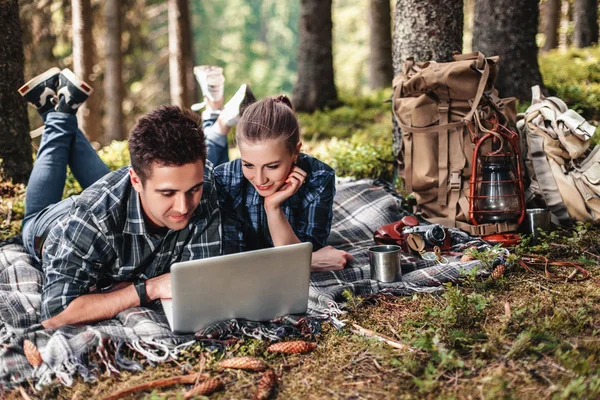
(309, 210)
(104, 236)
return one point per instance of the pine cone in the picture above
(32, 353)
(295, 347)
(204, 388)
(266, 385)
(250, 363)
(498, 271)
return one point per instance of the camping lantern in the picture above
(496, 185)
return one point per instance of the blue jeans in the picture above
(216, 144)
(62, 144)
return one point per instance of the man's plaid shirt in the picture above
(309, 210)
(104, 237)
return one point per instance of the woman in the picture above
(274, 195)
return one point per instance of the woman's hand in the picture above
(293, 182)
(329, 259)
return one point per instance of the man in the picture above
(111, 247)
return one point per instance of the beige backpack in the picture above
(565, 175)
(436, 106)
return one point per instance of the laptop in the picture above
(256, 285)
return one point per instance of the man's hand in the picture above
(159, 287)
(329, 259)
(293, 182)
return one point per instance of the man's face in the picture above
(170, 194)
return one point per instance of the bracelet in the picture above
(140, 288)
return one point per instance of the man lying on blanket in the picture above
(128, 226)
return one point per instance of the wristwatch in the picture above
(140, 288)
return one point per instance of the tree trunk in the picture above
(83, 65)
(507, 28)
(315, 86)
(551, 23)
(179, 52)
(564, 39)
(425, 30)
(113, 76)
(381, 71)
(586, 23)
(15, 144)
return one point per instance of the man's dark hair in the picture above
(167, 136)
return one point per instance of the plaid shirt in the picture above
(309, 210)
(103, 236)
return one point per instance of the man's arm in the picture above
(101, 306)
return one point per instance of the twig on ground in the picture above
(359, 330)
(507, 312)
(24, 393)
(548, 289)
(175, 380)
(395, 332)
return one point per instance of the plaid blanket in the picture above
(359, 209)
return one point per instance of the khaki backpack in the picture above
(564, 174)
(438, 107)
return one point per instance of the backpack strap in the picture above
(543, 173)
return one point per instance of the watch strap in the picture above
(140, 288)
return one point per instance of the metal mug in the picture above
(385, 263)
(536, 218)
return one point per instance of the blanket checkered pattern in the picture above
(359, 209)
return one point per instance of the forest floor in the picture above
(519, 336)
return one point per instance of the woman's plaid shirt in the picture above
(104, 237)
(309, 210)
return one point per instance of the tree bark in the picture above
(507, 28)
(315, 86)
(179, 52)
(113, 75)
(586, 23)
(551, 23)
(425, 30)
(381, 71)
(83, 66)
(15, 143)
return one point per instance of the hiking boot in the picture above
(41, 90)
(72, 92)
(236, 105)
(211, 80)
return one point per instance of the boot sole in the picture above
(71, 77)
(32, 83)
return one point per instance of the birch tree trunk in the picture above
(315, 86)
(551, 24)
(83, 64)
(586, 23)
(15, 143)
(507, 28)
(381, 71)
(113, 78)
(179, 52)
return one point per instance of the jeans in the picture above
(62, 144)
(216, 144)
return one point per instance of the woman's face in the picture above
(267, 164)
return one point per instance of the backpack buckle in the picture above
(455, 180)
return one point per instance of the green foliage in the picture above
(354, 139)
(574, 76)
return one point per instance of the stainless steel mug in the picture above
(536, 218)
(385, 263)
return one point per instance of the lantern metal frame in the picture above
(500, 135)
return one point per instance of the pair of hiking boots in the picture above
(56, 90)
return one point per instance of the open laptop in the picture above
(255, 285)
